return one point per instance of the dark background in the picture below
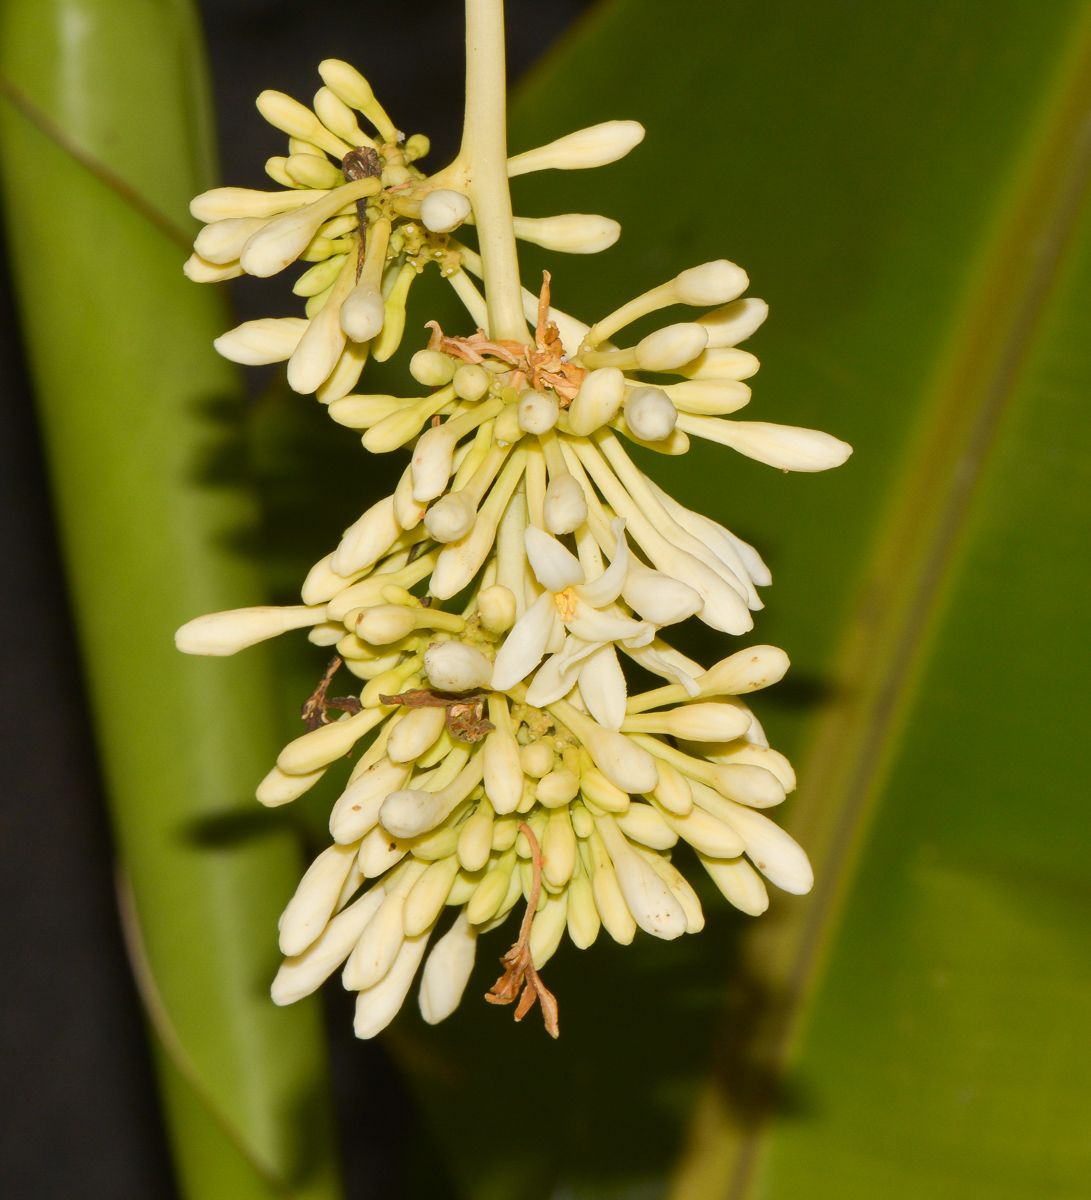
(78, 1108)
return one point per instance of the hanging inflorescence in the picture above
(507, 759)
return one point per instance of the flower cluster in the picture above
(489, 602)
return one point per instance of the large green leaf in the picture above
(903, 182)
(105, 137)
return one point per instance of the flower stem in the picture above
(484, 155)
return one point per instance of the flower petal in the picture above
(526, 643)
(602, 686)
(606, 589)
(594, 625)
(553, 564)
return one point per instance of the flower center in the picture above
(568, 604)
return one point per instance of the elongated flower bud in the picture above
(565, 505)
(708, 397)
(744, 671)
(356, 811)
(644, 825)
(379, 1005)
(425, 902)
(694, 722)
(573, 233)
(412, 812)
(503, 772)
(322, 746)
(374, 954)
(447, 971)
(363, 313)
(266, 340)
(302, 974)
(221, 204)
(443, 210)
(671, 346)
(739, 883)
(310, 907)
(727, 362)
(673, 792)
(337, 117)
(557, 788)
(706, 833)
(200, 270)
(591, 147)
(625, 764)
(711, 283)
(735, 322)
(414, 733)
(284, 239)
(650, 414)
(616, 917)
(386, 623)
(228, 632)
(558, 848)
(784, 446)
(584, 921)
(456, 667)
(312, 171)
(599, 398)
(367, 539)
(298, 121)
(277, 788)
(222, 241)
(654, 907)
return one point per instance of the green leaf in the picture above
(905, 185)
(105, 137)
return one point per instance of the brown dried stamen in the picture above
(314, 707)
(519, 973)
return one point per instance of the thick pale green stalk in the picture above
(105, 136)
(484, 156)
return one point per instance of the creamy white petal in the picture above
(526, 644)
(554, 565)
(606, 589)
(602, 686)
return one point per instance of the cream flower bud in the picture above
(600, 791)
(659, 598)
(410, 811)
(416, 146)
(673, 791)
(309, 909)
(786, 447)
(726, 362)
(503, 772)
(326, 744)
(739, 883)
(300, 975)
(650, 414)
(456, 667)
(565, 505)
(694, 722)
(538, 411)
(583, 917)
(223, 633)
(591, 147)
(337, 117)
(475, 839)
(627, 765)
(654, 906)
(367, 539)
(558, 848)
(277, 788)
(284, 239)
(470, 381)
(356, 811)
(386, 623)
(222, 241)
(200, 270)
(375, 952)
(432, 462)
(744, 671)
(346, 82)
(294, 119)
(220, 204)
(447, 971)
(432, 368)
(425, 902)
(671, 347)
(379, 1005)
(711, 283)
(362, 313)
(506, 429)
(616, 918)
(414, 733)
(496, 608)
(735, 322)
(312, 171)
(707, 833)
(547, 928)
(266, 340)
(572, 233)
(451, 517)
(644, 825)
(557, 788)
(442, 211)
(598, 400)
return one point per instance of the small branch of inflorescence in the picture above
(314, 707)
(519, 973)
